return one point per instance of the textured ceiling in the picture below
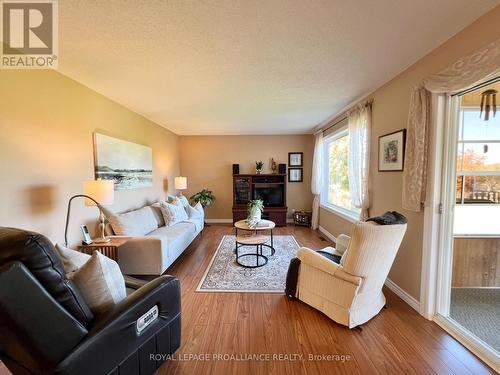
(249, 67)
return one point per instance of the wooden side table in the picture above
(109, 249)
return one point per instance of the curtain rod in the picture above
(344, 117)
(477, 87)
(331, 126)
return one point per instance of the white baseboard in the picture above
(403, 295)
(327, 234)
(219, 221)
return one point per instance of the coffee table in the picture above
(264, 225)
(252, 240)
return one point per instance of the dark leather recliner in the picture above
(47, 328)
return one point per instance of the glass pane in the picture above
(475, 128)
(242, 191)
(479, 156)
(482, 189)
(338, 173)
(458, 193)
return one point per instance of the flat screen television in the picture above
(271, 194)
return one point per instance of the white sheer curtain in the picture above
(359, 156)
(465, 73)
(316, 178)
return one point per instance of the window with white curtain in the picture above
(335, 195)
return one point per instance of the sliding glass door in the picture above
(469, 296)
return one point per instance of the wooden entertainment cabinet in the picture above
(271, 188)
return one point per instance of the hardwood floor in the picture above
(396, 341)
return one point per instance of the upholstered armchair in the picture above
(350, 293)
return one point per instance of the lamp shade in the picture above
(103, 191)
(181, 183)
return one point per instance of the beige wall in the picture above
(207, 160)
(390, 112)
(46, 150)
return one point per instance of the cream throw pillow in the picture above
(194, 213)
(198, 207)
(72, 260)
(157, 213)
(134, 223)
(173, 213)
(179, 200)
(185, 203)
(100, 282)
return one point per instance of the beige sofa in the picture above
(350, 294)
(153, 246)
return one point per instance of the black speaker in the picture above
(282, 168)
(236, 169)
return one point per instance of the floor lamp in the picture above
(96, 193)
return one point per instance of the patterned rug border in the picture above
(199, 290)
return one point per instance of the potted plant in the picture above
(258, 166)
(255, 208)
(205, 197)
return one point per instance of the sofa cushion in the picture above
(38, 254)
(72, 260)
(134, 223)
(101, 283)
(178, 237)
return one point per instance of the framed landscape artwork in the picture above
(391, 151)
(128, 164)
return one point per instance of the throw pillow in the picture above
(157, 213)
(172, 213)
(72, 260)
(200, 209)
(180, 200)
(134, 223)
(100, 282)
(184, 201)
(194, 213)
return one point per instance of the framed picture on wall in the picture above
(129, 165)
(391, 151)
(295, 159)
(295, 175)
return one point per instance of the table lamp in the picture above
(96, 193)
(180, 183)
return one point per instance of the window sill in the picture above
(343, 213)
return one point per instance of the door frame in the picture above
(437, 252)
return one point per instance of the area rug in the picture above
(478, 310)
(223, 274)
